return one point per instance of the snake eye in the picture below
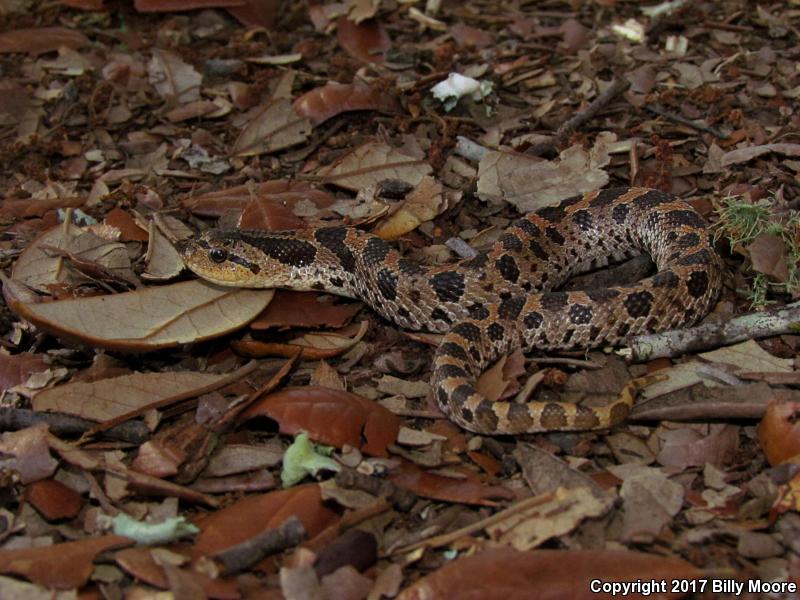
(218, 255)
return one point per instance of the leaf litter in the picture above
(155, 119)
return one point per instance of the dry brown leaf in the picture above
(530, 528)
(768, 256)
(333, 417)
(295, 195)
(750, 152)
(467, 488)
(546, 575)
(148, 319)
(272, 127)
(47, 566)
(251, 515)
(27, 452)
(367, 41)
(40, 40)
(163, 260)
(15, 369)
(530, 183)
(422, 204)
(331, 99)
(173, 78)
(108, 398)
(370, 164)
(301, 309)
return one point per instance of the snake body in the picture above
(502, 298)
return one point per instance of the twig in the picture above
(579, 119)
(712, 335)
(63, 425)
(448, 538)
(241, 556)
(688, 122)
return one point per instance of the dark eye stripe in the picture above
(254, 268)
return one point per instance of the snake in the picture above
(505, 298)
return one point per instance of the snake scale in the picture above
(503, 298)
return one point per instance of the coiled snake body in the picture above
(502, 298)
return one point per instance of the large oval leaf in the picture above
(147, 319)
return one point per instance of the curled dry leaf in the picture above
(27, 452)
(108, 398)
(466, 488)
(272, 127)
(40, 40)
(545, 574)
(422, 204)
(530, 183)
(46, 566)
(163, 260)
(314, 345)
(372, 163)
(332, 417)
(254, 514)
(331, 99)
(147, 319)
(779, 432)
(366, 41)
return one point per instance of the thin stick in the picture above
(199, 391)
(684, 121)
(582, 117)
(448, 538)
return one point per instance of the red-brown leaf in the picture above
(366, 41)
(279, 191)
(54, 499)
(16, 368)
(60, 566)
(332, 417)
(39, 40)
(265, 214)
(251, 515)
(301, 309)
(467, 489)
(546, 575)
(779, 431)
(322, 103)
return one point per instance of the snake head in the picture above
(222, 257)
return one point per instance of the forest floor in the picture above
(161, 433)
